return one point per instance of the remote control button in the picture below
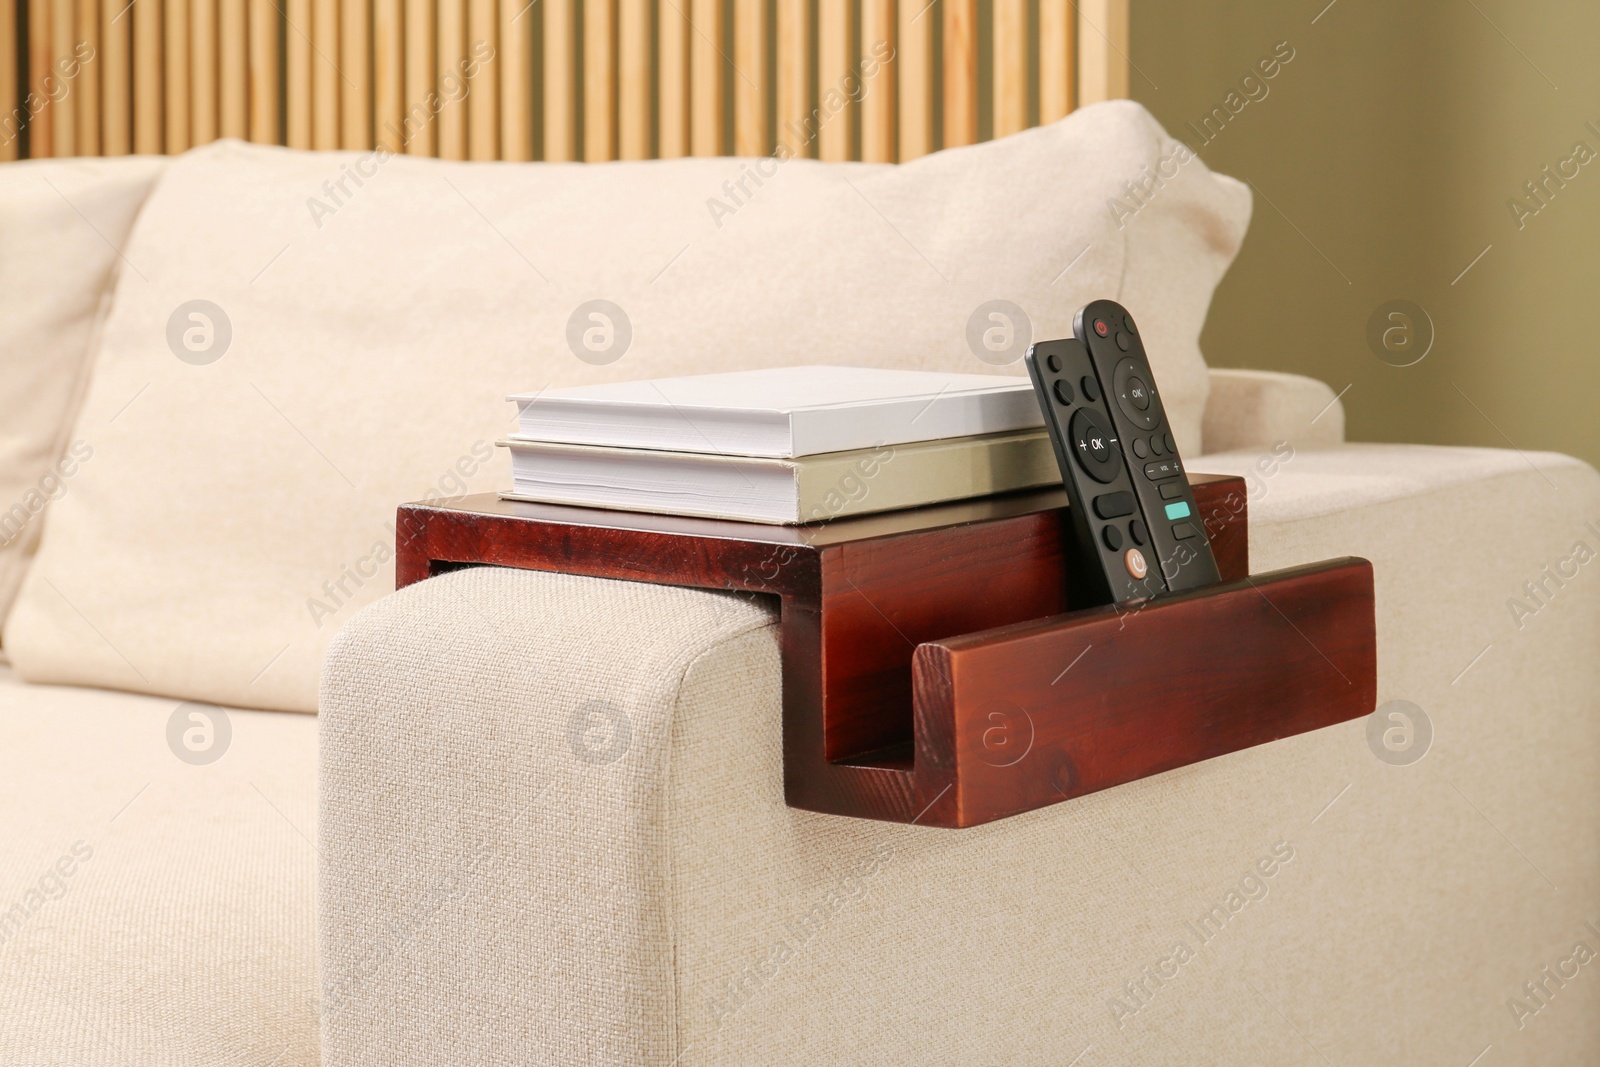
(1178, 509)
(1141, 449)
(1160, 469)
(1139, 393)
(1156, 447)
(1171, 490)
(1063, 391)
(1134, 395)
(1135, 563)
(1090, 387)
(1094, 448)
(1183, 531)
(1114, 505)
(1127, 320)
(1053, 361)
(1112, 537)
(1170, 446)
(1137, 531)
(1101, 328)
(1123, 341)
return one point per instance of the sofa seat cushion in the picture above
(154, 911)
(367, 316)
(1413, 898)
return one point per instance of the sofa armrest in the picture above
(553, 828)
(1252, 408)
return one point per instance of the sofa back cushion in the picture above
(61, 225)
(323, 336)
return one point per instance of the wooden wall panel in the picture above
(483, 85)
(560, 80)
(88, 48)
(794, 91)
(635, 73)
(202, 71)
(878, 87)
(10, 72)
(355, 74)
(752, 130)
(116, 77)
(706, 75)
(63, 16)
(516, 80)
(878, 80)
(960, 71)
(599, 80)
(1058, 59)
(418, 132)
(233, 68)
(914, 61)
(836, 112)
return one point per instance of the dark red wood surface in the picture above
(857, 595)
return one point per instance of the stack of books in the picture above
(784, 445)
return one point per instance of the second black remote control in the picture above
(1107, 520)
(1182, 553)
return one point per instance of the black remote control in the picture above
(1178, 536)
(1107, 520)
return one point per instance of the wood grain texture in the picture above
(635, 76)
(960, 68)
(299, 91)
(175, 76)
(325, 74)
(233, 68)
(672, 74)
(1009, 57)
(879, 70)
(203, 90)
(451, 122)
(116, 77)
(706, 78)
(516, 80)
(483, 81)
(388, 74)
(89, 50)
(11, 114)
(795, 117)
(355, 74)
(599, 80)
(41, 120)
(1102, 51)
(752, 131)
(914, 61)
(892, 668)
(1029, 715)
(265, 124)
(1058, 58)
(836, 111)
(418, 130)
(64, 71)
(148, 136)
(560, 80)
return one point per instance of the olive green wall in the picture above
(1388, 148)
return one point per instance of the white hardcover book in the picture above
(783, 491)
(781, 412)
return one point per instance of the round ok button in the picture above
(1093, 447)
(1139, 393)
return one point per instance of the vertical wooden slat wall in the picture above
(876, 80)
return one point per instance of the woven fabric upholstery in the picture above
(667, 907)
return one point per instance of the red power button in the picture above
(1101, 328)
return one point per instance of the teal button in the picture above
(1178, 510)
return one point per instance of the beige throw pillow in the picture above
(323, 336)
(62, 223)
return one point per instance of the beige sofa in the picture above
(430, 870)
